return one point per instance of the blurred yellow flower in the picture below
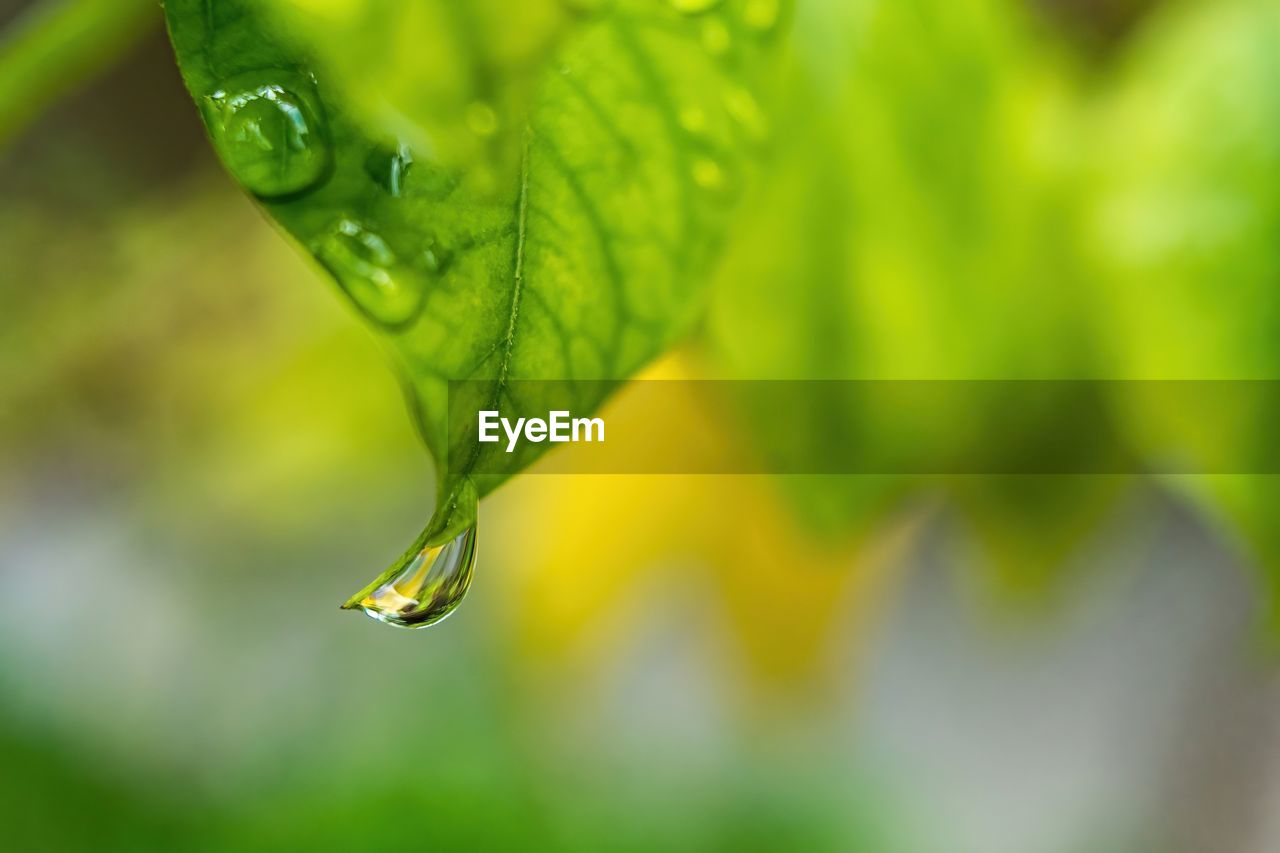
(581, 546)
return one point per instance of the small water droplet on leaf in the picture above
(430, 586)
(269, 129)
(368, 270)
(389, 167)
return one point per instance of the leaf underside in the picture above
(575, 246)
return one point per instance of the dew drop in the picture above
(761, 15)
(430, 586)
(269, 129)
(693, 7)
(389, 167)
(368, 270)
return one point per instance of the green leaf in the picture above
(549, 211)
(423, 67)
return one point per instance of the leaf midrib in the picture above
(645, 67)
(517, 291)
(513, 313)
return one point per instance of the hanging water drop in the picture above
(370, 273)
(269, 129)
(428, 588)
(431, 579)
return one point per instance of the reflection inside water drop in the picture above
(389, 167)
(428, 588)
(368, 270)
(269, 130)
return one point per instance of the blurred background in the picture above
(202, 453)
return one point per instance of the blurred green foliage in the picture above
(924, 211)
(1182, 221)
(57, 45)
(962, 195)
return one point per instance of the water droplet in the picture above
(270, 132)
(389, 167)
(482, 120)
(693, 7)
(761, 15)
(715, 37)
(709, 175)
(431, 585)
(368, 270)
(431, 579)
